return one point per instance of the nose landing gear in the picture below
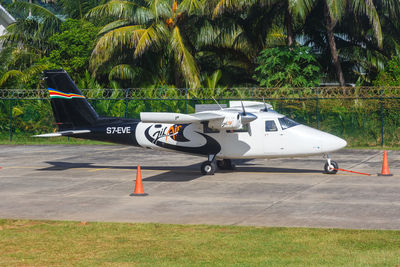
(208, 167)
(331, 167)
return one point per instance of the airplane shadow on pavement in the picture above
(172, 173)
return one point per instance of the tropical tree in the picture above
(334, 11)
(31, 31)
(232, 36)
(152, 35)
(27, 41)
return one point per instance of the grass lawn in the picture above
(29, 140)
(38, 243)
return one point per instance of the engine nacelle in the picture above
(230, 122)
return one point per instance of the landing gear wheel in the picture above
(331, 169)
(226, 164)
(208, 168)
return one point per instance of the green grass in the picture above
(56, 243)
(29, 140)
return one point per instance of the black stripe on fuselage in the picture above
(115, 130)
(212, 147)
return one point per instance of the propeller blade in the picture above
(244, 111)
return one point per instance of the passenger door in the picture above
(273, 138)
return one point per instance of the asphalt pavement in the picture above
(93, 183)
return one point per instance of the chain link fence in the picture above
(364, 116)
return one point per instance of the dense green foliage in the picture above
(182, 43)
(213, 44)
(287, 67)
(390, 76)
(72, 47)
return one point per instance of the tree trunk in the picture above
(332, 44)
(289, 28)
(30, 10)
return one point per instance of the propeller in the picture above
(246, 117)
(244, 111)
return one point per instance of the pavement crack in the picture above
(289, 197)
(367, 159)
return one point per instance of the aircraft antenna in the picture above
(217, 103)
(265, 105)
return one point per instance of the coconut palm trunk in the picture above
(330, 24)
(289, 28)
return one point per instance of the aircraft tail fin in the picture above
(71, 109)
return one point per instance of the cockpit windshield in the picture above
(287, 123)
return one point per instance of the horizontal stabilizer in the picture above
(64, 133)
(178, 118)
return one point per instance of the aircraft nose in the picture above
(333, 143)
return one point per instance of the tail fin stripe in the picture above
(57, 94)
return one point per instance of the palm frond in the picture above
(122, 72)
(161, 9)
(33, 70)
(120, 38)
(114, 25)
(122, 10)
(184, 59)
(367, 7)
(9, 75)
(300, 8)
(153, 35)
(192, 6)
(336, 9)
(36, 10)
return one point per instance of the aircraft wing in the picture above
(64, 133)
(179, 118)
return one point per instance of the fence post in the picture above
(317, 107)
(126, 103)
(11, 116)
(382, 117)
(186, 100)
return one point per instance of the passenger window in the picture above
(270, 126)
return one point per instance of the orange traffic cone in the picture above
(139, 186)
(385, 166)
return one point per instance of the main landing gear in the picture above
(226, 164)
(331, 167)
(210, 166)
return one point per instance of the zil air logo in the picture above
(175, 132)
(118, 130)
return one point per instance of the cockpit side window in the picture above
(287, 123)
(270, 126)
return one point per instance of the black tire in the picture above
(226, 164)
(208, 168)
(332, 171)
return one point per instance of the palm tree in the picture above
(32, 32)
(159, 33)
(334, 11)
(233, 34)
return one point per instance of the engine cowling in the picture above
(232, 121)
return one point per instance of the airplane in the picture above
(245, 130)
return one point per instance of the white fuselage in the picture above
(264, 137)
